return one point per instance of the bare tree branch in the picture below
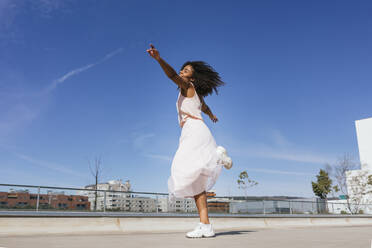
(96, 170)
(353, 187)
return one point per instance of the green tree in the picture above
(323, 186)
(244, 182)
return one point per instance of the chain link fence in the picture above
(15, 197)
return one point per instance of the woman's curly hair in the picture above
(206, 79)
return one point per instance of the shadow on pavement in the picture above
(233, 233)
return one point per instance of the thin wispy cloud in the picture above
(10, 10)
(19, 113)
(143, 143)
(21, 107)
(269, 171)
(46, 7)
(77, 71)
(158, 156)
(17, 110)
(140, 140)
(112, 54)
(278, 138)
(279, 147)
(7, 12)
(50, 165)
(294, 154)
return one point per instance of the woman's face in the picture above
(186, 73)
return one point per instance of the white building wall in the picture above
(337, 206)
(364, 135)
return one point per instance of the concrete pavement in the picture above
(302, 237)
(145, 224)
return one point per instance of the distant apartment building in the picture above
(187, 205)
(184, 205)
(124, 200)
(162, 204)
(22, 199)
(118, 198)
(114, 200)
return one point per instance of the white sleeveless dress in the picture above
(194, 166)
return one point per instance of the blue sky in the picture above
(76, 83)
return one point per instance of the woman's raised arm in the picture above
(169, 71)
(207, 110)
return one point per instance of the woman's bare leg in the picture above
(201, 204)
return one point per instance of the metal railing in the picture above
(100, 200)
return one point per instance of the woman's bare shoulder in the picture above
(191, 91)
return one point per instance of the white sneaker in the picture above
(224, 158)
(201, 230)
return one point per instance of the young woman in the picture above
(198, 160)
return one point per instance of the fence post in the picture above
(264, 209)
(104, 201)
(290, 207)
(157, 209)
(302, 207)
(38, 199)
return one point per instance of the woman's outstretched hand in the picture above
(213, 118)
(153, 52)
